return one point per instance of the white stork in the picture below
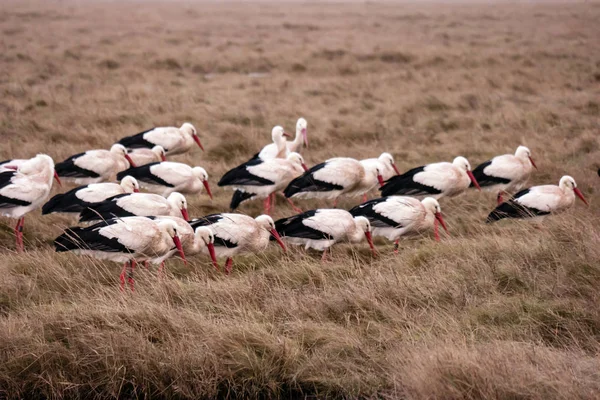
(295, 146)
(123, 240)
(333, 178)
(137, 204)
(539, 201)
(193, 241)
(277, 149)
(78, 199)
(320, 229)
(262, 179)
(437, 180)
(396, 216)
(238, 234)
(167, 177)
(95, 166)
(173, 140)
(24, 189)
(143, 156)
(505, 174)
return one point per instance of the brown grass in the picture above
(503, 311)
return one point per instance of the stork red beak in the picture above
(370, 240)
(179, 248)
(439, 217)
(197, 140)
(211, 251)
(285, 134)
(13, 167)
(533, 163)
(136, 190)
(205, 183)
(580, 195)
(278, 238)
(304, 167)
(163, 157)
(130, 160)
(185, 215)
(57, 179)
(396, 169)
(472, 177)
(380, 179)
(305, 136)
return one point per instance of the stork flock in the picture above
(129, 227)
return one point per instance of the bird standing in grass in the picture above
(539, 201)
(124, 240)
(437, 180)
(396, 216)
(505, 174)
(95, 166)
(321, 229)
(237, 234)
(173, 140)
(24, 189)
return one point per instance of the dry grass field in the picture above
(504, 311)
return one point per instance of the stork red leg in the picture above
(296, 209)
(364, 198)
(396, 246)
(324, 257)
(19, 234)
(500, 198)
(161, 269)
(335, 202)
(130, 279)
(122, 276)
(267, 205)
(272, 196)
(228, 265)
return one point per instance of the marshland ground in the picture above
(502, 311)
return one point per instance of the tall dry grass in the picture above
(502, 311)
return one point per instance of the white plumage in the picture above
(277, 149)
(25, 189)
(295, 146)
(173, 140)
(146, 156)
(238, 234)
(320, 229)
(95, 166)
(168, 177)
(505, 174)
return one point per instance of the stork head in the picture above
(267, 223)
(297, 159)
(388, 160)
(463, 164)
(41, 165)
(278, 134)
(432, 206)
(201, 174)
(568, 183)
(121, 150)
(170, 228)
(190, 130)
(205, 235)
(363, 224)
(525, 154)
(160, 153)
(178, 201)
(130, 184)
(301, 126)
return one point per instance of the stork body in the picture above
(396, 216)
(539, 201)
(168, 177)
(331, 179)
(143, 156)
(505, 174)
(236, 234)
(95, 166)
(436, 180)
(277, 149)
(25, 189)
(173, 140)
(137, 204)
(82, 197)
(321, 229)
(123, 240)
(262, 179)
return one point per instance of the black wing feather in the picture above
(137, 141)
(513, 209)
(241, 176)
(209, 220)
(89, 238)
(143, 174)
(239, 197)
(487, 180)
(377, 220)
(106, 209)
(307, 183)
(294, 227)
(405, 185)
(68, 169)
